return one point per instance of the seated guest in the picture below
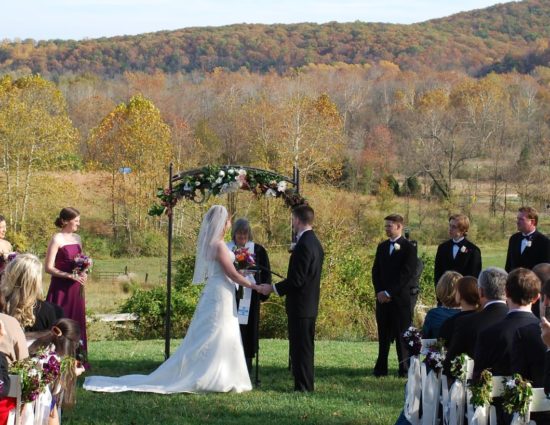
(467, 296)
(6, 403)
(65, 337)
(457, 254)
(21, 294)
(495, 344)
(446, 294)
(542, 271)
(545, 326)
(529, 349)
(491, 288)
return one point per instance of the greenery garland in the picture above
(458, 367)
(517, 395)
(481, 390)
(197, 186)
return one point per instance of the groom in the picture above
(302, 288)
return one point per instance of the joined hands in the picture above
(264, 288)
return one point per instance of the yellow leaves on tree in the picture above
(35, 134)
(133, 144)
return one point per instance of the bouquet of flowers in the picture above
(435, 356)
(413, 339)
(517, 395)
(82, 264)
(36, 372)
(243, 259)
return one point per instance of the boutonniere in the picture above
(396, 246)
(528, 244)
(463, 249)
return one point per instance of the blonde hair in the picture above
(446, 288)
(21, 287)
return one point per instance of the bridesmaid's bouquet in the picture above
(82, 264)
(244, 259)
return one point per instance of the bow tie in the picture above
(459, 244)
(527, 238)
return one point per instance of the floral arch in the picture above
(199, 184)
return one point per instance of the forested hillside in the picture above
(472, 41)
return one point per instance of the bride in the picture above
(210, 357)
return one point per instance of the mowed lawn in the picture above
(346, 393)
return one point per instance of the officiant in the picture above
(248, 301)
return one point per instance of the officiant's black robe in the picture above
(249, 332)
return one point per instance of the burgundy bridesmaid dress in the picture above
(66, 292)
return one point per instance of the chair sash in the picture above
(456, 404)
(42, 407)
(431, 385)
(413, 391)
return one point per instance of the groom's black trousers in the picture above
(301, 334)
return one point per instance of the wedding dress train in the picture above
(210, 357)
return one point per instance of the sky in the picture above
(78, 19)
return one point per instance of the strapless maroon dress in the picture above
(66, 292)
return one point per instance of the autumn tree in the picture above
(35, 134)
(132, 143)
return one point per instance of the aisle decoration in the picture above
(517, 396)
(413, 390)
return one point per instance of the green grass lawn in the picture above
(345, 393)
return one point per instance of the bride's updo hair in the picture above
(66, 214)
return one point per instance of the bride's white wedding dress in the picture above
(210, 357)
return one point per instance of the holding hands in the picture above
(383, 297)
(264, 288)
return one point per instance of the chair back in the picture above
(15, 392)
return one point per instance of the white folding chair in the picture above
(427, 343)
(15, 392)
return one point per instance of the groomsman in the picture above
(528, 247)
(393, 269)
(457, 254)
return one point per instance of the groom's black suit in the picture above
(302, 288)
(393, 274)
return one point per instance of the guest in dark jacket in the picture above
(457, 254)
(491, 289)
(495, 345)
(467, 296)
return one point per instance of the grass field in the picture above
(345, 392)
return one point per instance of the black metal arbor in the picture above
(199, 184)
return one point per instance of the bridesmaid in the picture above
(65, 285)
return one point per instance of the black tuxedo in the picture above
(393, 274)
(302, 289)
(547, 372)
(528, 354)
(538, 252)
(467, 261)
(249, 332)
(467, 329)
(495, 344)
